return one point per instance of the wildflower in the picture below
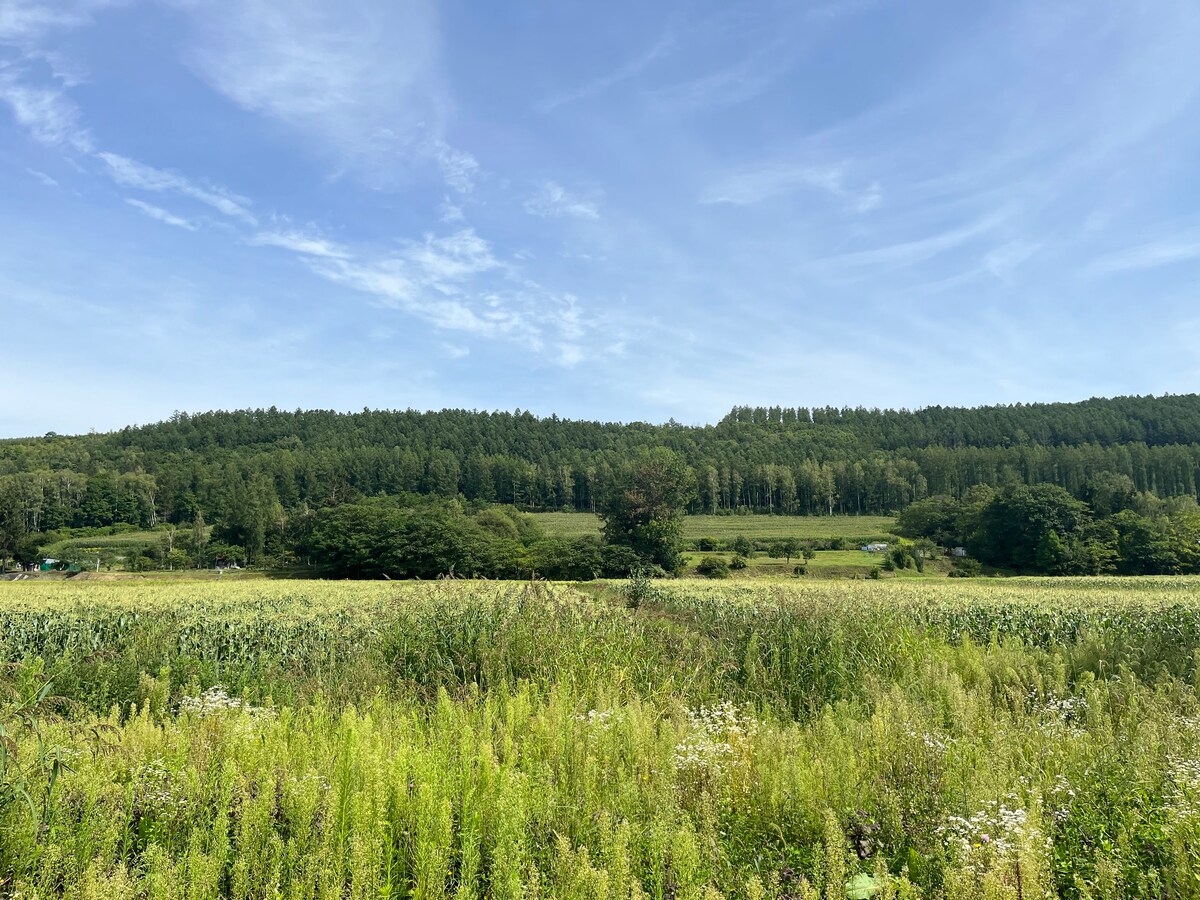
(216, 700)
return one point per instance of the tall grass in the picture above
(470, 740)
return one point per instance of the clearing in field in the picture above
(1009, 739)
(724, 528)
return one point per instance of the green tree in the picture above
(1030, 527)
(789, 547)
(644, 511)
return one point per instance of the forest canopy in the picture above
(262, 477)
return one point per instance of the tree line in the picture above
(1043, 529)
(260, 475)
(414, 536)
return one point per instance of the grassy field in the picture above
(825, 564)
(726, 528)
(1010, 738)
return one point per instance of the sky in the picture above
(616, 211)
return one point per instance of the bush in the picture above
(800, 570)
(707, 544)
(738, 562)
(640, 588)
(713, 567)
(965, 568)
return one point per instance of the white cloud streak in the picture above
(130, 173)
(629, 70)
(553, 201)
(43, 178)
(45, 112)
(24, 22)
(160, 214)
(299, 242)
(1148, 256)
(755, 185)
(360, 82)
(455, 283)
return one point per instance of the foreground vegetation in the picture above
(1017, 738)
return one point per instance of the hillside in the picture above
(253, 468)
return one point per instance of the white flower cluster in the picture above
(722, 718)
(216, 700)
(1185, 771)
(1061, 794)
(993, 834)
(601, 719)
(154, 786)
(715, 732)
(932, 741)
(1184, 797)
(1065, 709)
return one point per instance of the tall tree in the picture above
(644, 510)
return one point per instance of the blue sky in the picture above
(614, 211)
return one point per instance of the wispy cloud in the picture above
(40, 105)
(449, 213)
(553, 200)
(26, 21)
(456, 283)
(1149, 256)
(729, 84)
(130, 173)
(300, 242)
(395, 285)
(903, 254)
(361, 82)
(1003, 260)
(754, 185)
(459, 168)
(43, 178)
(45, 112)
(594, 88)
(446, 260)
(156, 212)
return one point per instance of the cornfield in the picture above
(1013, 738)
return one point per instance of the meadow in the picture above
(726, 528)
(1001, 738)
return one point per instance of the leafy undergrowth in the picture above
(1024, 738)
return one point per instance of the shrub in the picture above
(741, 545)
(713, 567)
(738, 562)
(965, 568)
(639, 589)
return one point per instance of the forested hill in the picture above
(1154, 421)
(263, 463)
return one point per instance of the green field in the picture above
(725, 528)
(826, 563)
(1008, 738)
